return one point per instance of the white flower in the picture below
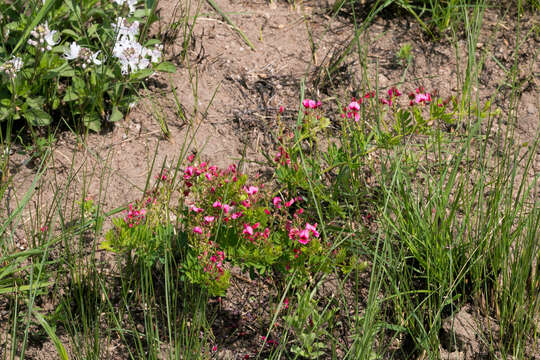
(94, 58)
(44, 37)
(156, 53)
(85, 56)
(123, 28)
(49, 38)
(12, 67)
(131, 54)
(74, 51)
(131, 4)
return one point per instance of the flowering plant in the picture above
(76, 61)
(223, 220)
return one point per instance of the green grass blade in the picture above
(62, 353)
(229, 21)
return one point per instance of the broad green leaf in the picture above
(71, 33)
(70, 95)
(166, 67)
(141, 74)
(37, 117)
(92, 122)
(116, 115)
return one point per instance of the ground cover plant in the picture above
(373, 218)
(73, 63)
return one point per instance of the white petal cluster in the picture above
(132, 55)
(12, 67)
(130, 3)
(123, 28)
(43, 37)
(83, 55)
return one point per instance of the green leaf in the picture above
(35, 102)
(166, 67)
(141, 74)
(71, 33)
(92, 29)
(37, 117)
(71, 95)
(116, 115)
(92, 122)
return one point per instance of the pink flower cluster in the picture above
(311, 104)
(133, 216)
(303, 236)
(252, 235)
(353, 109)
(392, 92)
(213, 263)
(282, 157)
(421, 97)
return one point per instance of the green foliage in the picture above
(68, 68)
(311, 325)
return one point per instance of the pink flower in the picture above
(312, 229)
(217, 204)
(354, 106)
(277, 201)
(226, 208)
(236, 215)
(195, 209)
(303, 237)
(422, 98)
(247, 230)
(191, 157)
(286, 303)
(252, 190)
(289, 203)
(292, 233)
(209, 219)
(208, 176)
(214, 348)
(197, 230)
(309, 104)
(281, 109)
(189, 172)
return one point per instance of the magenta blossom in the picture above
(355, 105)
(303, 237)
(252, 190)
(311, 104)
(195, 209)
(197, 230)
